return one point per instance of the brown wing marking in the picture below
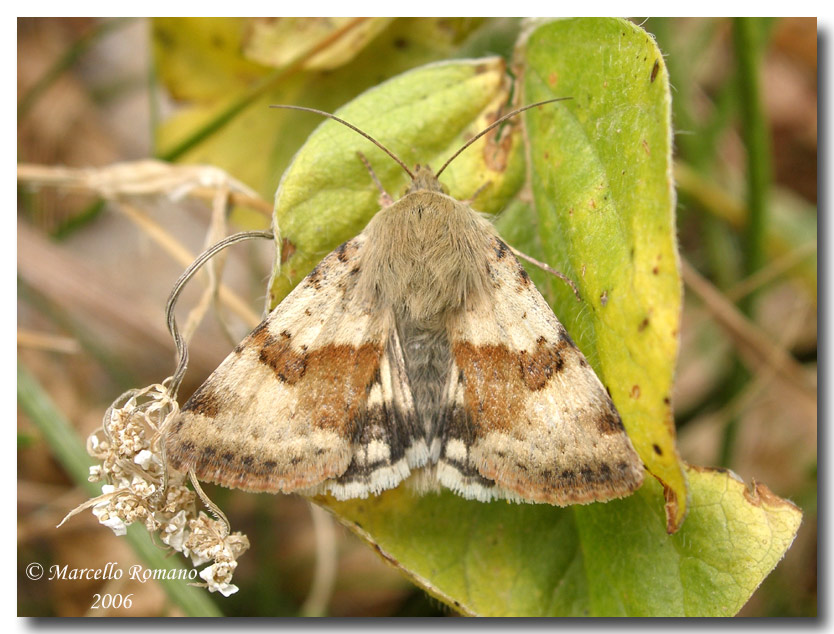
(528, 419)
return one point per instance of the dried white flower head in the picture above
(218, 577)
(139, 487)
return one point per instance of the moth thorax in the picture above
(427, 256)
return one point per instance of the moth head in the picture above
(424, 179)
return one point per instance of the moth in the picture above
(421, 346)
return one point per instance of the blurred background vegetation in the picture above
(93, 279)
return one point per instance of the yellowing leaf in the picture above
(321, 43)
(199, 60)
(601, 174)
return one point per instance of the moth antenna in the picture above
(205, 256)
(496, 123)
(355, 129)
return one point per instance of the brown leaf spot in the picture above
(497, 150)
(657, 450)
(761, 495)
(671, 507)
(552, 79)
(635, 391)
(655, 69)
(287, 249)
(643, 325)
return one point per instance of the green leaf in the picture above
(601, 174)
(611, 559)
(327, 196)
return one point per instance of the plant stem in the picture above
(747, 40)
(747, 36)
(79, 47)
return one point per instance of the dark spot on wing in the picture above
(205, 401)
(523, 276)
(340, 252)
(609, 422)
(314, 277)
(539, 365)
(501, 249)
